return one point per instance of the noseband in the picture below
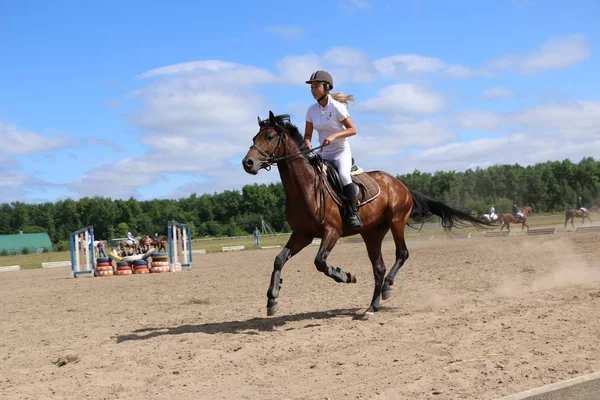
(270, 158)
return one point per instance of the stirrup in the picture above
(354, 221)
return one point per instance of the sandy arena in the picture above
(469, 319)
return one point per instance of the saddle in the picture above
(368, 188)
(519, 216)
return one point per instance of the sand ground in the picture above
(469, 319)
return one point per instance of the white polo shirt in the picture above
(326, 121)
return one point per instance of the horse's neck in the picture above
(297, 177)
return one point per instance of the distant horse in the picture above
(160, 242)
(488, 217)
(506, 219)
(312, 209)
(570, 215)
(125, 243)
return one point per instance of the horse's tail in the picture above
(424, 207)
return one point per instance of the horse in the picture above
(312, 212)
(570, 215)
(164, 239)
(125, 243)
(488, 218)
(507, 219)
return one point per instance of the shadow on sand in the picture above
(250, 327)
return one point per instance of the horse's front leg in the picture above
(296, 243)
(328, 241)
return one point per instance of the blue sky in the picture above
(159, 99)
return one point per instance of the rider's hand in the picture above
(328, 140)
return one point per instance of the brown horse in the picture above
(570, 215)
(507, 219)
(160, 242)
(312, 212)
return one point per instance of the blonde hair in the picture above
(342, 97)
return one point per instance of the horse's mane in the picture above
(283, 122)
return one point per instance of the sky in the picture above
(159, 99)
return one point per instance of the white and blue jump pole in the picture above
(82, 252)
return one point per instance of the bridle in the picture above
(270, 159)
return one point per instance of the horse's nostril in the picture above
(249, 162)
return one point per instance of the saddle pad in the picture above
(368, 189)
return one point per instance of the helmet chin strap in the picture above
(324, 96)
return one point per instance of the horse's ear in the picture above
(272, 118)
(259, 120)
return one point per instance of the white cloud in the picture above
(286, 32)
(197, 117)
(375, 141)
(15, 141)
(547, 132)
(297, 69)
(577, 119)
(408, 63)
(523, 149)
(458, 71)
(346, 65)
(404, 98)
(556, 53)
(197, 113)
(188, 128)
(353, 6)
(201, 75)
(349, 65)
(13, 178)
(403, 65)
(93, 141)
(497, 93)
(193, 66)
(478, 120)
(565, 120)
(479, 150)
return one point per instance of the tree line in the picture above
(548, 187)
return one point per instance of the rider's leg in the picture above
(343, 163)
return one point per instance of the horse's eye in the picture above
(269, 137)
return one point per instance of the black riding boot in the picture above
(350, 191)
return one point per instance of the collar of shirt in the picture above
(329, 98)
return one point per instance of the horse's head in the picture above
(527, 210)
(266, 147)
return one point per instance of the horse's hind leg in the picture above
(328, 242)
(296, 243)
(397, 227)
(373, 241)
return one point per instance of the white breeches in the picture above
(343, 163)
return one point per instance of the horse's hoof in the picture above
(373, 309)
(271, 310)
(351, 278)
(386, 294)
